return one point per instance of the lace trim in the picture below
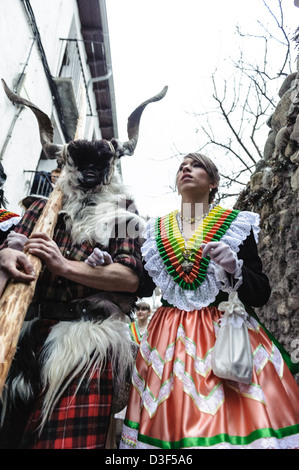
(216, 278)
(152, 357)
(6, 224)
(253, 391)
(260, 359)
(130, 440)
(277, 360)
(207, 404)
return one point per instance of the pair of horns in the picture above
(46, 128)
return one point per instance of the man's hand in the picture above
(221, 254)
(15, 265)
(42, 246)
(106, 277)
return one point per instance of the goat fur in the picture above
(80, 348)
(93, 215)
(73, 349)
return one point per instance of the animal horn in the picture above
(128, 148)
(44, 123)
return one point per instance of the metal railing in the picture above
(39, 183)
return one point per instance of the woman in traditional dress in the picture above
(138, 327)
(197, 257)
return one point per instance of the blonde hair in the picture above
(211, 169)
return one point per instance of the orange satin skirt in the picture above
(177, 402)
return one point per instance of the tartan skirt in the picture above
(79, 420)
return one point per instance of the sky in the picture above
(179, 44)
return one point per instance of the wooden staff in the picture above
(17, 295)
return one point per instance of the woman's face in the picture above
(192, 177)
(142, 313)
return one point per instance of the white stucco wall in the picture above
(23, 148)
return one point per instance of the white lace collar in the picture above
(216, 278)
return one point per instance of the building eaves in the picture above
(94, 30)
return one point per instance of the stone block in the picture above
(267, 240)
(279, 117)
(295, 157)
(269, 146)
(295, 133)
(287, 83)
(256, 181)
(295, 180)
(281, 308)
(285, 326)
(293, 303)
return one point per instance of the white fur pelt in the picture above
(92, 215)
(80, 348)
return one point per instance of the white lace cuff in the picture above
(230, 282)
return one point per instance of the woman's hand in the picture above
(221, 254)
(98, 258)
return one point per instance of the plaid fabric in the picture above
(80, 419)
(77, 422)
(50, 287)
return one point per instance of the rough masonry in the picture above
(273, 192)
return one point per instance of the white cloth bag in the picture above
(232, 356)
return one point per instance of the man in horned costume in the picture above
(73, 357)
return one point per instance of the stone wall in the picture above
(273, 192)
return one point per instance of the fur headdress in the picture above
(92, 214)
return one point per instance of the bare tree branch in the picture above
(244, 101)
(228, 121)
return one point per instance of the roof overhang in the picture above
(94, 30)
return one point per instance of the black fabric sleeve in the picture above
(146, 285)
(255, 289)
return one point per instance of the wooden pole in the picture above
(17, 295)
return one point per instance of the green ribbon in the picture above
(177, 250)
(188, 442)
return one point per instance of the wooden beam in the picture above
(17, 295)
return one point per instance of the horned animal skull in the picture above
(94, 161)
